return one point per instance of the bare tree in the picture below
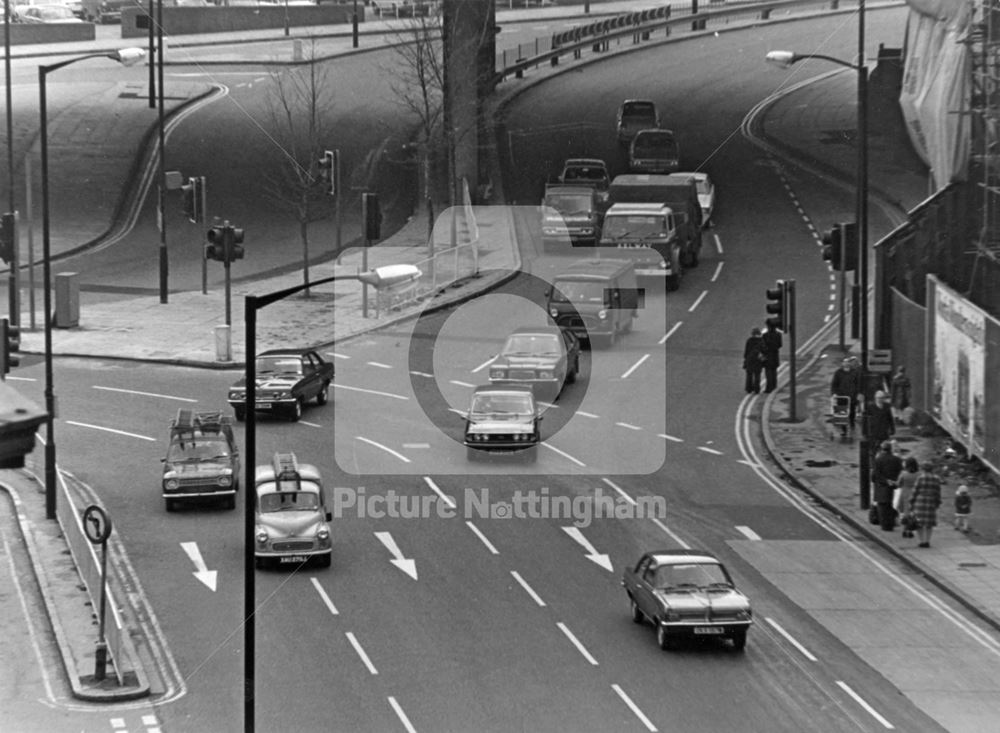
(299, 105)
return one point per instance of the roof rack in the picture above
(286, 466)
(188, 421)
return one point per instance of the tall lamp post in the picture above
(127, 57)
(785, 59)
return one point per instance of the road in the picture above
(517, 623)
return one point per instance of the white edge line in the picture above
(379, 364)
(634, 708)
(387, 449)
(586, 414)
(697, 301)
(576, 642)
(110, 430)
(489, 545)
(144, 394)
(565, 455)
(620, 491)
(401, 715)
(444, 497)
(361, 652)
(628, 426)
(791, 640)
(874, 713)
(528, 589)
(371, 391)
(324, 596)
(671, 533)
(710, 450)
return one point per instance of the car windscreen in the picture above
(634, 225)
(698, 575)
(531, 344)
(289, 501)
(279, 365)
(566, 203)
(197, 449)
(590, 175)
(579, 291)
(501, 404)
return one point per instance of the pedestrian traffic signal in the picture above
(8, 237)
(777, 306)
(327, 172)
(10, 344)
(849, 241)
(840, 247)
(193, 192)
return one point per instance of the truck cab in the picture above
(646, 234)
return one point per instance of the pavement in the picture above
(965, 566)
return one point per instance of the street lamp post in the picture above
(785, 59)
(126, 56)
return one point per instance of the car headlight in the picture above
(225, 480)
(261, 537)
(497, 373)
(553, 312)
(672, 615)
(602, 314)
(586, 230)
(323, 534)
(237, 395)
(545, 374)
(171, 484)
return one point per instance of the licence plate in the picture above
(708, 630)
(292, 558)
(263, 405)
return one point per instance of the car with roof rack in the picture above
(202, 462)
(286, 379)
(291, 519)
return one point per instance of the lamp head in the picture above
(781, 59)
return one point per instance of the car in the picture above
(543, 358)
(291, 519)
(502, 420)
(635, 115)
(75, 6)
(570, 215)
(706, 196)
(654, 151)
(46, 14)
(592, 172)
(102, 11)
(286, 380)
(687, 594)
(202, 461)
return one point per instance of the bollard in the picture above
(223, 343)
(67, 287)
(101, 660)
(297, 50)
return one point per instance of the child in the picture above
(963, 508)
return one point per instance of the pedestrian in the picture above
(924, 502)
(772, 356)
(885, 474)
(753, 360)
(900, 393)
(845, 383)
(904, 490)
(881, 426)
(963, 508)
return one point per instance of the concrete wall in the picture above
(24, 33)
(184, 21)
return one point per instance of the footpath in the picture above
(966, 566)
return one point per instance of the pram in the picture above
(840, 414)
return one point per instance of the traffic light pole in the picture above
(790, 303)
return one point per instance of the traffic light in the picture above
(327, 172)
(232, 239)
(215, 249)
(193, 193)
(777, 306)
(10, 344)
(8, 237)
(373, 216)
(849, 241)
(833, 246)
(840, 247)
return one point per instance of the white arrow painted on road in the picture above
(201, 571)
(406, 565)
(603, 560)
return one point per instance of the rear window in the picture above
(654, 145)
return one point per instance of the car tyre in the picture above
(258, 562)
(663, 638)
(325, 560)
(296, 411)
(637, 616)
(240, 413)
(171, 505)
(739, 640)
(324, 394)
(572, 373)
(231, 502)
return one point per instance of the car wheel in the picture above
(324, 394)
(296, 411)
(662, 637)
(739, 640)
(231, 502)
(325, 560)
(572, 373)
(240, 413)
(636, 613)
(171, 505)
(673, 282)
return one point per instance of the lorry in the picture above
(647, 235)
(595, 299)
(570, 215)
(679, 192)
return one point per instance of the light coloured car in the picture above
(46, 14)
(502, 420)
(292, 523)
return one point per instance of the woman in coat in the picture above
(753, 360)
(924, 503)
(904, 488)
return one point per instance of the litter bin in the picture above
(223, 343)
(67, 300)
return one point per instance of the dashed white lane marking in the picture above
(117, 723)
(857, 698)
(565, 455)
(361, 652)
(484, 365)
(672, 438)
(634, 708)
(670, 333)
(335, 355)
(476, 531)
(401, 715)
(718, 271)
(449, 502)
(576, 642)
(386, 448)
(673, 535)
(378, 365)
(710, 450)
(697, 301)
(628, 426)
(460, 383)
(310, 424)
(635, 366)
(144, 394)
(110, 430)
(410, 446)
(718, 244)
(620, 491)
(586, 414)
(421, 374)
(790, 639)
(371, 391)
(322, 594)
(747, 532)
(527, 588)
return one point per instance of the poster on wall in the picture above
(958, 358)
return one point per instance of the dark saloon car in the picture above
(687, 593)
(286, 380)
(544, 358)
(502, 420)
(635, 115)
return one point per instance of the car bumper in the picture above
(265, 405)
(500, 446)
(194, 492)
(705, 628)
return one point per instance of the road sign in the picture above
(880, 360)
(96, 524)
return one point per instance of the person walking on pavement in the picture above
(772, 356)
(963, 508)
(753, 360)
(904, 489)
(881, 425)
(924, 502)
(888, 466)
(845, 383)
(899, 391)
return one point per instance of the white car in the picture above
(706, 195)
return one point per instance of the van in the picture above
(570, 215)
(679, 191)
(647, 235)
(595, 299)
